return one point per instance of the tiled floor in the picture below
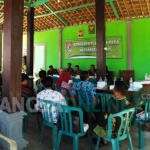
(34, 143)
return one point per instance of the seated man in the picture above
(92, 71)
(77, 70)
(25, 89)
(52, 71)
(42, 74)
(121, 102)
(50, 95)
(69, 69)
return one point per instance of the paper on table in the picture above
(55, 75)
(100, 84)
(111, 87)
(137, 84)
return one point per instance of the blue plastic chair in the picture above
(103, 99)
(75, 80)
(66, 121)
(142, 121)
(46, 107)
(39, 87)
(86, 104)
(29, 113)
(121, 135)
(94, 81)
(141, 100)
(60, 89)
(55, 79)
(70, 101)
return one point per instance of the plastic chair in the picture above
(142, 100)
(39, 87)
(12, 143)
(86, 104)
(103, 99)
(55, 79)
(63, 90)
(126, 75)
(46, 107)
(121, 135)
(66, 120)
(67, 96)
(75, 79)
(29, 113)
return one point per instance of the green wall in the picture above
(70, 33)
(141, 47)
(50, 38)
(140, 33)
(117, 29)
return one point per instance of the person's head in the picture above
(120, 89)
(92, 67)
(64, 76)
(50, 67)
(42, 74)
(84, 76)
(69, 65)
(47, 82)
(24, 79)
(77, 68)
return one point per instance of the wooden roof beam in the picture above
(57, 16)
(39, 2)
(114, 9)
(66, 10)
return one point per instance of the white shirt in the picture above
(51, 95)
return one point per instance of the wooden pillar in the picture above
(12, 54)
(100, 38)
(1, 37)
(30, 40)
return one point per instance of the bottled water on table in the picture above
(131, 83)
(100, 79)
(114, 80)
(105, 81)
(121, 79)
(145, 76)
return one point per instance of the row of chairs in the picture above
(103, 99)
(66, 125)
(66, 121)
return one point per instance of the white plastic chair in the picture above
(13, 144)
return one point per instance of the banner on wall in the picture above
(86, 48)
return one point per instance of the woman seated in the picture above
(84, 85)
(63, 82)
(119, 91)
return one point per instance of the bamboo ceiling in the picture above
(51, 14)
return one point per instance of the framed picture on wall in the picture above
(80, 33)
(91, 29)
